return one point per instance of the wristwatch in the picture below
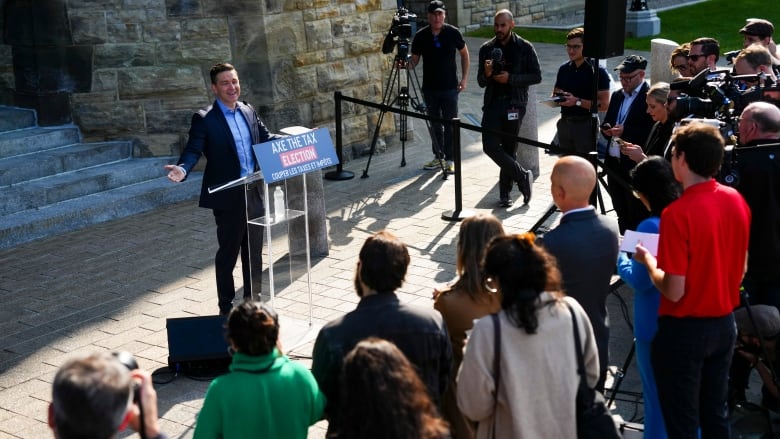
(579, 102)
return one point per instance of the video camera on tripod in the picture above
(402, 29)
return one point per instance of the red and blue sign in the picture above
(295, 155)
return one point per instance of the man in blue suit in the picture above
(225, 132)
(585, 245)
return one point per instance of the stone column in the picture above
(528, 156)
(660, 51)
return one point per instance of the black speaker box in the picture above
(605, 28)
(197, 343)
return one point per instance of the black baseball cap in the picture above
(631, 63)
(436, 5)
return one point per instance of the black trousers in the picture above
(234, 238)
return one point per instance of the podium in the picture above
(281, 162)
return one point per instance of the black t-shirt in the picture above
(439, 69)
(579, 82)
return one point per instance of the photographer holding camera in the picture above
(96, 396)
(508, 65)
(759, 184)
(574, 90)
(437, 44)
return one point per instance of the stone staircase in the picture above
(51, 183)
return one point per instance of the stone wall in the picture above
(146, 62)
(471, 14)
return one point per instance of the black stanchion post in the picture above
(457, 214)
(339, 173)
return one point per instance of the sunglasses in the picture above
(695, 58)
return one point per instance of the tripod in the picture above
(407, 93)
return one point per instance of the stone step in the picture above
(66, 216)
(14, 118)
(46, 163)
(37, 193)
(35, 139)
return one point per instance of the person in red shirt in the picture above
(702, 251)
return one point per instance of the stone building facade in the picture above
(136, 69)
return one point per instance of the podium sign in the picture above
(290, 156)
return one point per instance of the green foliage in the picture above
(719, 19)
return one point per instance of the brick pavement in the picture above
(112, 286)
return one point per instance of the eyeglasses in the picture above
(695, 58)
(574, 46)
(629, 78)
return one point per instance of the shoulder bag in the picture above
(594, 419)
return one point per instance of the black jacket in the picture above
(420, 333)
(759, 184)
(520, 59)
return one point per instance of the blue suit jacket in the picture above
(586, 247)
(210, 136)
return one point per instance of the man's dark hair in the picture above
(90, 397)
(577, 32)
(253, 328)
(703, 147)
(219, 68)
(383, 262)
(709, 46)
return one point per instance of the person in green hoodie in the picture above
(265, 394)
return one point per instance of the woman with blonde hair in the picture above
(465, 301)
(657, 107)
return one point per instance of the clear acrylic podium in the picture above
(271, 221)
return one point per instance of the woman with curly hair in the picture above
(465, 301)
(538, 362)
(264, 394)
(381, 396)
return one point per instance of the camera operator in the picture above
(759, 184)
(437, 44)
(704, 54)
(574, 91)
(508, 65)
(94, 396)
(755, 60)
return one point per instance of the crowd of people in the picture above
(389, 369)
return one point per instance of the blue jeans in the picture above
(442, 104)
(691, 359)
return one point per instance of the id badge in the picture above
(512, 113)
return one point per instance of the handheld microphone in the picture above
(495, 56)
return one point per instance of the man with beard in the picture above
(508, 65)
(420, 333)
